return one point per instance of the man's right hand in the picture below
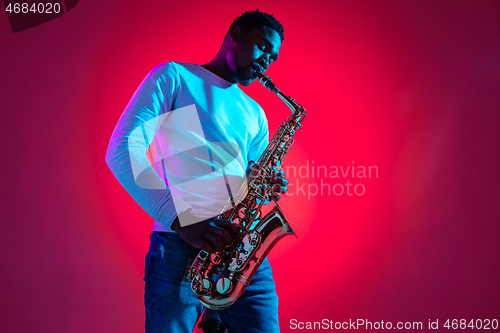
(211, 235)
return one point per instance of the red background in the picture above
(412, 87)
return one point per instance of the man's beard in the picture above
(245, 75)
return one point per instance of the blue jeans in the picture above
(171, 306)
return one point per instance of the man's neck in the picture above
(221, 68)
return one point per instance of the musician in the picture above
(181, 149)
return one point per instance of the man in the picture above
(181, 149)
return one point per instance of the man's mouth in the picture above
(256, 69)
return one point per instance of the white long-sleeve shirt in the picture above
(199, 131)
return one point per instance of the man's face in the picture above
(252, 51)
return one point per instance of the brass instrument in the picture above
(218, 279)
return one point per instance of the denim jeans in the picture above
(171, 306)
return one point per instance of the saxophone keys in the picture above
(206, 284)
(202, 287)
(223, 285)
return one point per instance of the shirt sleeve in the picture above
(126, 154)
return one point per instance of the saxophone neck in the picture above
(297, 109)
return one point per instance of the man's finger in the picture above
(278, 173)
(206, 246)
(277, 188)
(216, 240)
(223, 233)
(283, 181)
(227, 225)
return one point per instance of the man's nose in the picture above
(264, 61)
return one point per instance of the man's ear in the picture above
(235, 33)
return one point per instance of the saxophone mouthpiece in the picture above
(267, 82)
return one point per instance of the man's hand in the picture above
(278, 181)
(211, 235)
(279, 184)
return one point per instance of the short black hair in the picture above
(257, 18)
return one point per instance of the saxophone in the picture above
(218, 279)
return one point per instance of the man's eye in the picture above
(262, 47)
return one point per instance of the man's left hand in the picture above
(278, 181)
